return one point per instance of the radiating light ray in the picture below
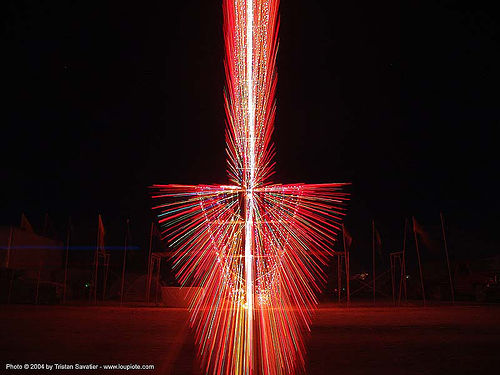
(256, 249)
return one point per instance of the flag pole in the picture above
(157, 279)
(38, 282)
(11, 235)
(402, 279)
(96, 258)
(106, 272)
(148, 282)
(124, 262)
(68, 236)
(447, 259)
(419, 262)
(339, 275)
(373, 259)
(392, 259)
(346, 261)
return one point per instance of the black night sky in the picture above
(104, 98)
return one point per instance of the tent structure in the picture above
(28, 263)
(23, 249)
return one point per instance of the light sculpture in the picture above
(256, 249)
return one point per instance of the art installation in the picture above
(256, 249)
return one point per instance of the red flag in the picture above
(378, 242)
(348, 239)
(25, 224)
(424, 236)
(417, 228)
(100, 236)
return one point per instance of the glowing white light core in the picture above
(249, 185)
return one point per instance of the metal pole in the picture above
(106, 269)
(404, 260)
(91, 292)
(124, 264)
(68, 236)
(373, 259)
(339, 276)
(447, 259)
(148, 282)
(346, 261)
(419, 262)
(11, 236)
(348, 277)
(393, 271)
(402, 279)
(150, 276)
(158, 261)
(38, 282)
(96, 261)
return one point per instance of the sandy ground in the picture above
(358, 340)
(433, 340)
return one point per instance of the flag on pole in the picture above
(378, 242)
(425, 237)
(25, 224)
(418, 228)
(128, 233)
(348, 239)
(100, 237)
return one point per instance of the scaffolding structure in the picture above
(154, 268)
(397, 260)
(342, 260)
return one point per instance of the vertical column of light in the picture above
(250, 184)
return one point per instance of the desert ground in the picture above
(343, 340)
